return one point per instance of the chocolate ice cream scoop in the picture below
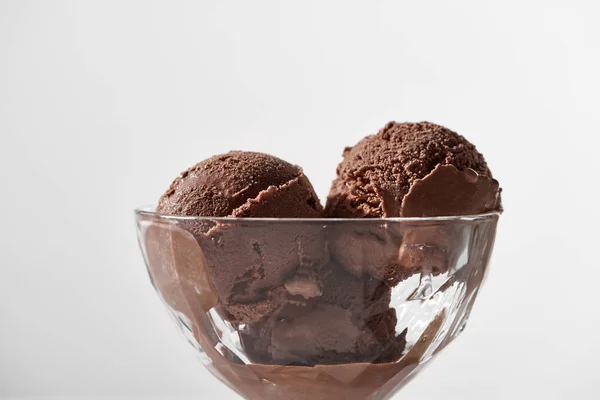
(253, 270)
(406, 170)
(376, 175)
(242, 184)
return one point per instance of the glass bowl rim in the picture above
(147, 212)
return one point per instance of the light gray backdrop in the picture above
(103, 103)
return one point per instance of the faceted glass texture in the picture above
(317, 308)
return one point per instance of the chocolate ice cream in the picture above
(275, 280)
(254, 270)
(350, 322)
(257, 269)
(242, 184)
(328, 334)
(291, 297)
(365, 368)
(406, 170)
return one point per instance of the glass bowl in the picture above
(317, 308)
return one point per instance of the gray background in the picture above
(103, 103)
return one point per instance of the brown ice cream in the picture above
(257, 269)
(406, 170)
(308, 306)
(328, 334)
(351, 321)
(254, 270)
(242, 184)
(376, 175)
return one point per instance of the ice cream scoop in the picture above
(406, 170)
(412, 170)
(254, 271)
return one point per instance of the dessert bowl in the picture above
(317, 308)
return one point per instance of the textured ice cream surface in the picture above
(378, 172)
(242, 184)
